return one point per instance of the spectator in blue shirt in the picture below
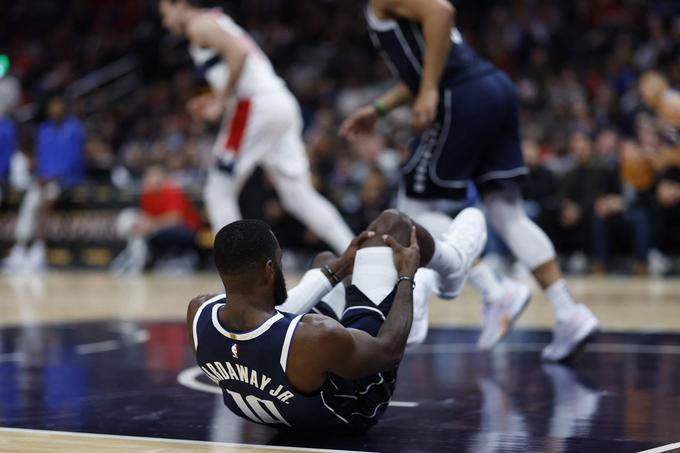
(60, 146)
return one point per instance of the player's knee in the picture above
(322, 259)
(392, 222)
(503, 207)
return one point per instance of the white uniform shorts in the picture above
(266, 130)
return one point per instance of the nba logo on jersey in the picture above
(234, 350)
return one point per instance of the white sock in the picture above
(446, 260)
(486, 281)
(560, 299)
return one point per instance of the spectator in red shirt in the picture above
(165, 226)
(164, 205)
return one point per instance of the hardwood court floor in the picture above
(85, 353)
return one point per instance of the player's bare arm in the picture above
(322, 345)
(436, 18)
(361, 122)
(204, 31)
(193, 307)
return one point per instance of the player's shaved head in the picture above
(244, 245)
(248, 256)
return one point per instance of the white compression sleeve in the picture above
(313, 286)
(374, 272)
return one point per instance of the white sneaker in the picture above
(501, 313)
(570, 336)
(467, 235)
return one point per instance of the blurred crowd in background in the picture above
(605, 172)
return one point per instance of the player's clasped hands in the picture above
(406, 259)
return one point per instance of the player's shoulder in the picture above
(196, 302)
(201, 25)
(321, 330)
(312, 321)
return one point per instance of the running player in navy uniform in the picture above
(465, 112)
(310, 372)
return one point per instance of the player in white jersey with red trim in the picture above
(262, 123)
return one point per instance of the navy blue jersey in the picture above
(402, 46)
(250, 368)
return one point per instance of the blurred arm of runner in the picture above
(205, 31)
(362, 121)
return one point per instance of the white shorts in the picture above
(265, 129)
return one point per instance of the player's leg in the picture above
(362, 402)
(237, 151)
(289, 169)
(220, 196)
(528, 243)
(374, 274)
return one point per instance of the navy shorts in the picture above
(475, 137)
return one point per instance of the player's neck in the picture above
(246, 311)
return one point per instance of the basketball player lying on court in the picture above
(317, 372)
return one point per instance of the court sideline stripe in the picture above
(668, 447)
(177, 441)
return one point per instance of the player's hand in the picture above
(406, 259)
(344, 265)
(359, 123)
(424, 109)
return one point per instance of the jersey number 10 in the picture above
(258, 410)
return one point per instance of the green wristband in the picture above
(380, 108)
